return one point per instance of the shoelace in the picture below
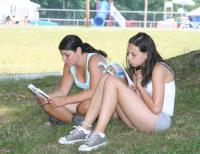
(91, 139)
(73, 132)
(75, 128)
(87, 137)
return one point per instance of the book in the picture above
(37, 91)
(114, 68)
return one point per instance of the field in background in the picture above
(25, 49)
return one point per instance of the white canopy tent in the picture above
(183, 2)
(194, 15)
(195, 12)
(19, 8)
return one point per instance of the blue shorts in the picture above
(163, 122)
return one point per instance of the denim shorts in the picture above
(163, 122)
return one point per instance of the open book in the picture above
(116, 69)
(37, 91)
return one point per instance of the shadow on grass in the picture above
(22, 128)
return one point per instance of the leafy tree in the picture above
(129, 5)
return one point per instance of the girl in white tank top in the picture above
(147, 106)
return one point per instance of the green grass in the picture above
(22, 121)
(34, 50)
(25, 49)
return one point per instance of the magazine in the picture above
(37, 91)
(116, 69)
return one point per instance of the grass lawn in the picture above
(25, 49)
(22, 129)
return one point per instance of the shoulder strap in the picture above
(88, 58)
(166, 66)
(87, 63)
(72, 71)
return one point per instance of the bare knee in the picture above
(104, 77)
(60, 113)
(82, 108)
(112, 81)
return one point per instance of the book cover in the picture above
(37, 91)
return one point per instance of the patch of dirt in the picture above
(4, 150)
(3, 120)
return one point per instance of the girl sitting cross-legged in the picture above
(80, 67)
(147, 106)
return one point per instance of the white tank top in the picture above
(169, 98)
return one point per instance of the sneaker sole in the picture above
(93, 148)
(71, 142)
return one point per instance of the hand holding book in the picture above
(37, 91)
(42, 97)
(116, 69)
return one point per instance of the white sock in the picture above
(84, 130)
(102, 135)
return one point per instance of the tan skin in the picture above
(143, 110)
(61, 105)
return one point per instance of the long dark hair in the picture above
(146, 44)
(72, 42)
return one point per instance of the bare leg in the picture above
(62, 113)
(123, 117)
(82, 107)
(95, 104)
(132, 106)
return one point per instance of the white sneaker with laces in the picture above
(77, 135)
(93, 142)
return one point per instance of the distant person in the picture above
(26, 20)
(147, 106)
(8, 20)
(80, 67)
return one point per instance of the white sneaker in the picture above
(94, 142)
(77, 135)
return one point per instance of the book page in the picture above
(116, 69)
(120, 72)
(106, 68)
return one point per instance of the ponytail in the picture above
(89, 49)
(72, 42)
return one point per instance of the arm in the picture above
(95, 74)
(155, 102)
(64, 88)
